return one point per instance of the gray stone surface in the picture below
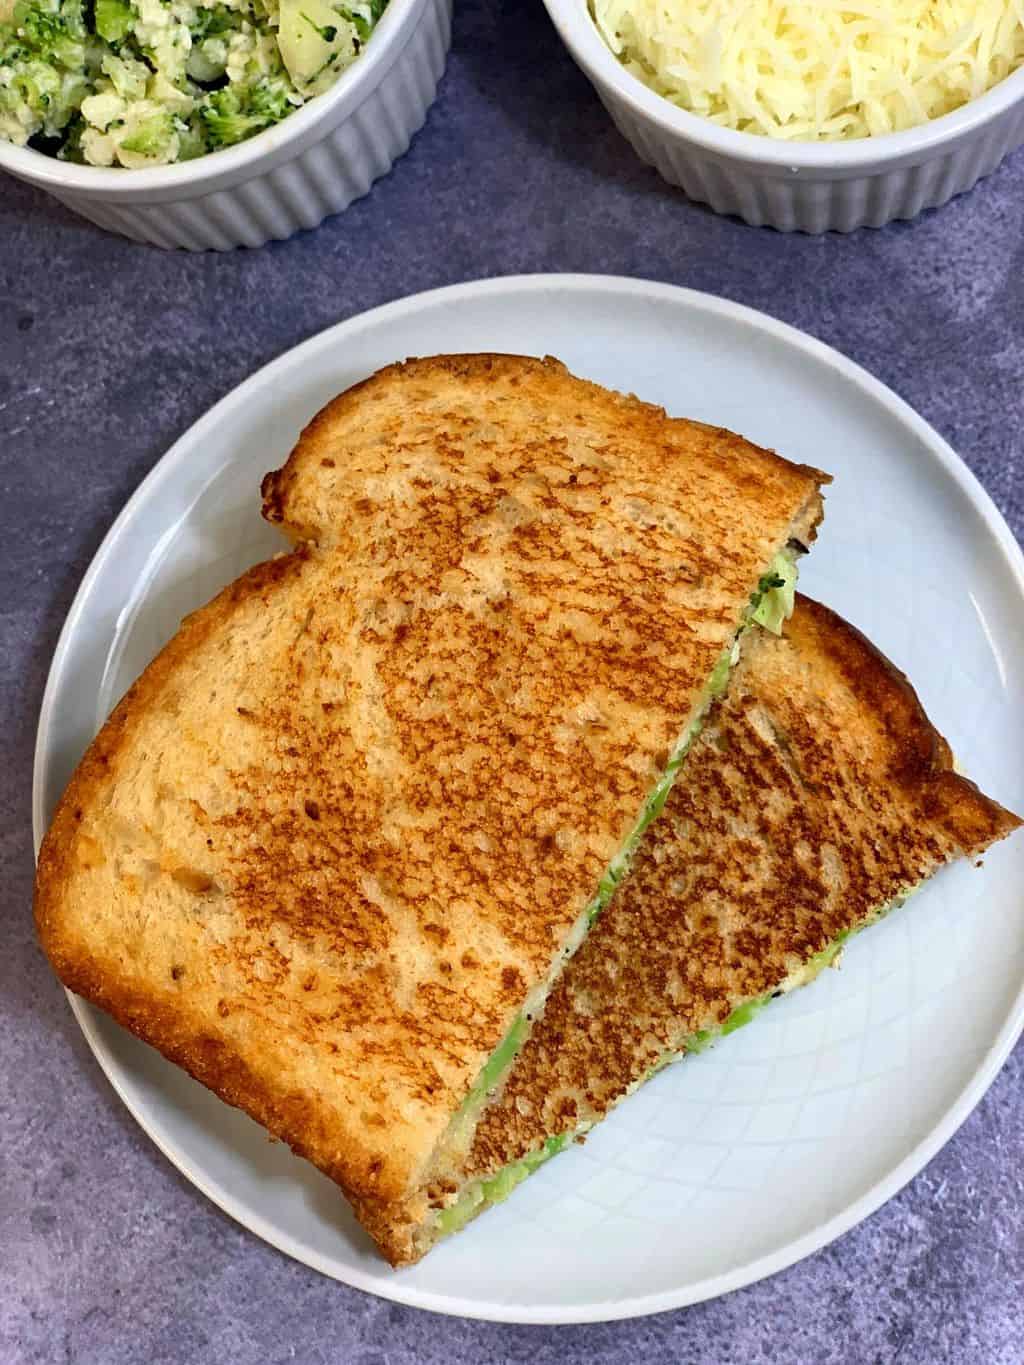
(107, 352)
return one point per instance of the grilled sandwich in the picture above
(817, 798)
(332, 850)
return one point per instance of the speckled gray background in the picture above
(107, 352)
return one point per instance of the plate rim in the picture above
(749, 1272)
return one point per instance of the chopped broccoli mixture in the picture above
(775, 598)
(481, 1194)
(146, 82)
(495, 1067)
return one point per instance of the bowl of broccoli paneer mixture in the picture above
(101, 99)
(138, 83)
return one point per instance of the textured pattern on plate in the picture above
(323, 179)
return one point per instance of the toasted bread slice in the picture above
(335, 843)
(816, 798)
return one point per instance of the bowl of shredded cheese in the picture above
(836, 114)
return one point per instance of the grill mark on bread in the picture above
(428, 615)
(863, 804)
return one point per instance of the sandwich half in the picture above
(333, 848)
(817, 798)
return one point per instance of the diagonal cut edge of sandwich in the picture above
(817, 799)
(333, 848)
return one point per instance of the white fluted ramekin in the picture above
(292, 176)
(798, 186)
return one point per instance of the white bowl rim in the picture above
(581, 36)
(349, 90)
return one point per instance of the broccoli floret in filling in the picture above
(775, 598)
(232, 114)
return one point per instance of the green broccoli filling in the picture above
(776, 595)
(770, 604)
(481, 1194)
(778, 580)
(113, 20)
(231, 115)
(148, 82)
(150, 137)
(498, 1062)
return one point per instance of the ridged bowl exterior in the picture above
(303, 189)
(818, 201)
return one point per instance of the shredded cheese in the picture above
(823, 71)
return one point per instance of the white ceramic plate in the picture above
(744, 1159)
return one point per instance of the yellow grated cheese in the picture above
(826, 71)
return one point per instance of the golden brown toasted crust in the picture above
(147, 1001)
(817, 793)
(346, 819)
(403, 403)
